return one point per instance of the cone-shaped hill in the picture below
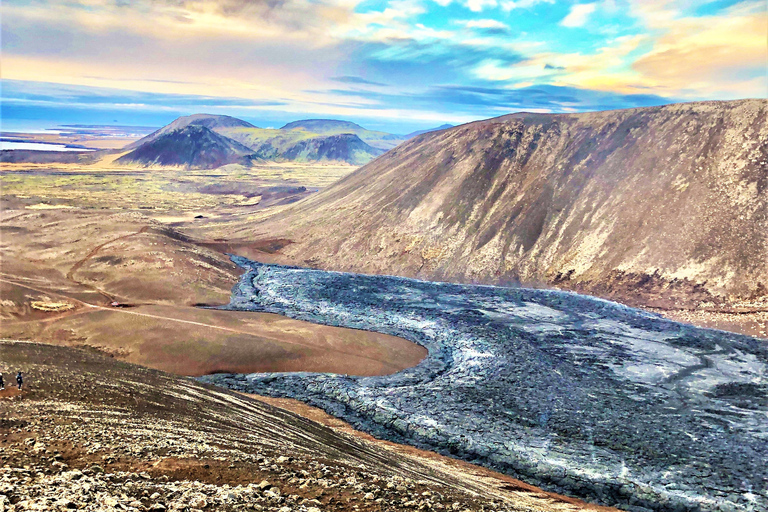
(192, 147)
(325, 126)
(210, 121)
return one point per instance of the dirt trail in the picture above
(78, 265)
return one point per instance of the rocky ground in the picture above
(91, 433)
(574, 394)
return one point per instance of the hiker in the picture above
(2, 384)
(19, 379)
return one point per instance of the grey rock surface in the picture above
(572, 393)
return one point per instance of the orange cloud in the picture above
(711, 55)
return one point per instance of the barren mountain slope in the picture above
(662, 206)
(193, 147)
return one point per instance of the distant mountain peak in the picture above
(210, 121)
(306, 140)
(192, 146)
(323, 126)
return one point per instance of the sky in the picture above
(394, 65)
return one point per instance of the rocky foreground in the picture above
(90, 433)
(571, 393)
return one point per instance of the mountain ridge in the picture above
(421, 132)
(312, 140)
(662, 206)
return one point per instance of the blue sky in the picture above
(396, 65)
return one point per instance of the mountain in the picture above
(325, 126)
(193, 146)
(312, 140)
(664, 206)
(377, 139)
(420, 132)
(300, 145)
(210, 121)
(346, 146)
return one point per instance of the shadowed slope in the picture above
(194, 147)
(343, 147)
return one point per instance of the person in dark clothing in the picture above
(19, 379)
(2, 384)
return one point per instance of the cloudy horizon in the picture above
(396, 65)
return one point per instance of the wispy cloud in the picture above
(356, 80)
(509, 5)
(720, 56)
(487, 26)
(578, 15)
(394, 59)
(480, 5)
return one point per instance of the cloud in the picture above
(407, 64)
(480, 5)
(484, 101)
(486, 23)
(509, 5)
(524, 70)
(578, 15)
(724, 56)
(41, 93)
(142, 46)
(605, 68)
(487, 26)
(356, 80)
(337, 57)
(174, 19)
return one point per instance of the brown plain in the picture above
(84, 261)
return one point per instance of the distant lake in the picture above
(37, 146)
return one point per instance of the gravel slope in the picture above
(91, 433)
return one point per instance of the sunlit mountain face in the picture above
(391, 65)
